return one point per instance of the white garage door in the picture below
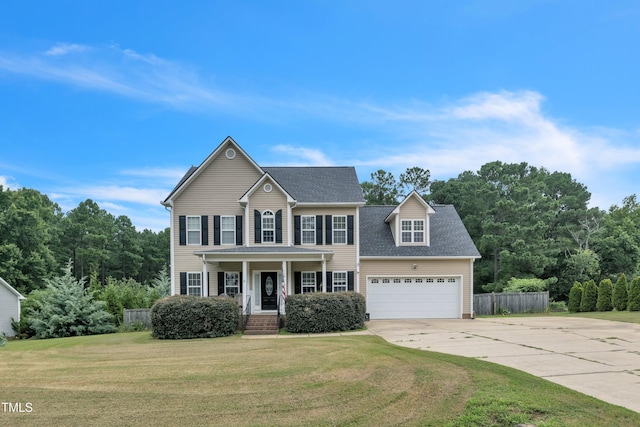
(414, 297)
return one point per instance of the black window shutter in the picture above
(350, 280)
(257, 221)
(240, 282)
(208, 283)
(216, 229)
(239, 230)
(318, 229)
(204, 219)
(279, 226)
(220, 282)
(183, 283)
(182, 226)
(297, 281)
(349, 229)
(318, 281)
(328, 227)
(329, 281)
(297, 233)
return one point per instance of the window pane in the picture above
(193, 284)
(308, 229)
(232, 284)
(228, 228)
(339, 281)
(268, 227)
(339, 229)
(193, 230)
(308, 281)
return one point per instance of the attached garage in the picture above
(405, 297)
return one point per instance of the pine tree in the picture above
(575, 297)
(620, 295)
(67, 309)
(634, 295)
(604, 296)
(589, 297)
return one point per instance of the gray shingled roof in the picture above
(186, 176)
(449, 236)
(319, 184)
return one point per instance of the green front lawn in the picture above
(132, 379)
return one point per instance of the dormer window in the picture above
(412, 230)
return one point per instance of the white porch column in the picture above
(245, 287)
(324, 274)
(205, 277)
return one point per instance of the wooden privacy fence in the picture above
(137, 315)
(514, 303)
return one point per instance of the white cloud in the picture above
(115, 193)
(8, 182)
(61, 49)
(304, 156)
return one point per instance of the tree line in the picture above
(37, 241)
(528, 222)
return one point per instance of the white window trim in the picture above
(346, 281)
(335, 230)
(222, 230)
(302, 284)
(226, 274)
(194, 275)
(189, 242)
(413, 231)
(313, 229)
(268, 214)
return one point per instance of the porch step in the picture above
(262, 325)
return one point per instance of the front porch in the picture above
(258, 276)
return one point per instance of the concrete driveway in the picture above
(595, 357)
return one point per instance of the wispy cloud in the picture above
(65, 49)
(303, 156)
(8, 182)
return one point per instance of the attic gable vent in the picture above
(230, 153)
(268, 188)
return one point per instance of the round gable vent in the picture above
(230, 153)
(268, 188)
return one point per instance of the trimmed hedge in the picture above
(605, 291)
(620, 295)
(575, 297)
(589, 296)
(184, 317)
(325, 312)
(633, 303)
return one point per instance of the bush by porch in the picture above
(325, 312)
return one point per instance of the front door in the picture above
(269, 290)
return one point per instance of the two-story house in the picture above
(260, 233)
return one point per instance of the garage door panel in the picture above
(432, 298)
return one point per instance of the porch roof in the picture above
(265, 253)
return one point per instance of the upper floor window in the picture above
(339, 229)
(308, 281)
(339, 281)
(228, 230)
(193, 230)
(268, 227)
(308, 230)
(412, 230)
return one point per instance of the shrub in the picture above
(558, 306)
(634, 295)
(525, 285)
(184, 317)
(589, 296)
(605, 291)
(620, 295)
(575, 297)
(66, 309)
(330, 312)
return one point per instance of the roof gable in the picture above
(412, 196)
(10, 288)
(193, 172)
(265, 179)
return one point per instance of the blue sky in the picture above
(114, 100)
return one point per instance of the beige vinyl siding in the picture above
(404, 267)
(413, 209)
(344, 256)
(274, 201)
(215, 191)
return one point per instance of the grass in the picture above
(132, 379)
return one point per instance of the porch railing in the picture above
(244, 316)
